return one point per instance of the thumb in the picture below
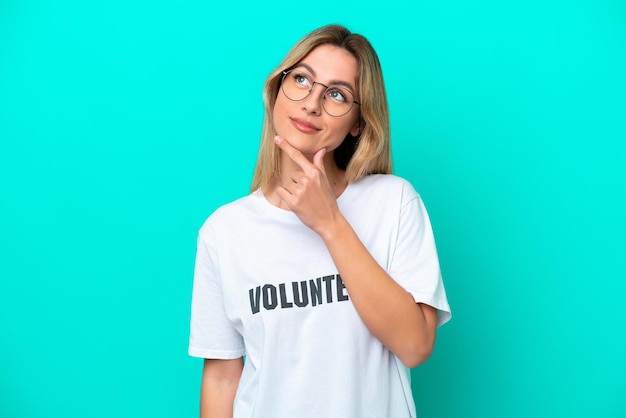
(318, 160)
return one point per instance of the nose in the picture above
(313, 102)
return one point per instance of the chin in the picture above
(306, 147)
(304, 143)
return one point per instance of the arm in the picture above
(220, 379)
(389, 312)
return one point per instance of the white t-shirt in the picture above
(266, 287)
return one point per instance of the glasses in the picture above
(337, 100)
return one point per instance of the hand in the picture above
(307, 191)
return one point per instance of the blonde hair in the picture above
(367, 153)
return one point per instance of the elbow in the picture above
(418, 345)
(416, 354)
(415, 359)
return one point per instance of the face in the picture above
(305, 124)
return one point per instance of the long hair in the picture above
(367, 153)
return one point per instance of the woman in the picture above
(326, 276)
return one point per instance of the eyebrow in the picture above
(331, 82)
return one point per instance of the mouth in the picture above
(304, 126)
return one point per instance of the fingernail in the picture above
(278, 139)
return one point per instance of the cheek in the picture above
(278, 116)
(342, 127)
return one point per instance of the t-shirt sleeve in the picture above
(415, 264)
(212, 335)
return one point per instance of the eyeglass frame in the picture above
(282, 81)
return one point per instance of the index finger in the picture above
(293, 153)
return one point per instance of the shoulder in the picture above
(388, 186)
(231, 214)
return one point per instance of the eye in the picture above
(338, 95)
(301, 80)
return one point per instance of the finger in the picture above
(292, 152)
(297, 176)
(318, 160)
(285, 196)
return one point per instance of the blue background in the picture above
(124, 124)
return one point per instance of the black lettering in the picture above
(255, 298)
(329, 288)
(283, 297)
(341, 296)
(316, 291)
(270, 301)
(303, 301)
(273, 296)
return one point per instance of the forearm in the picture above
(386, 308)
(220, 380)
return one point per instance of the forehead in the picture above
(332, 63)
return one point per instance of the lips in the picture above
(304, 126)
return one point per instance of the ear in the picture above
(356, 130)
